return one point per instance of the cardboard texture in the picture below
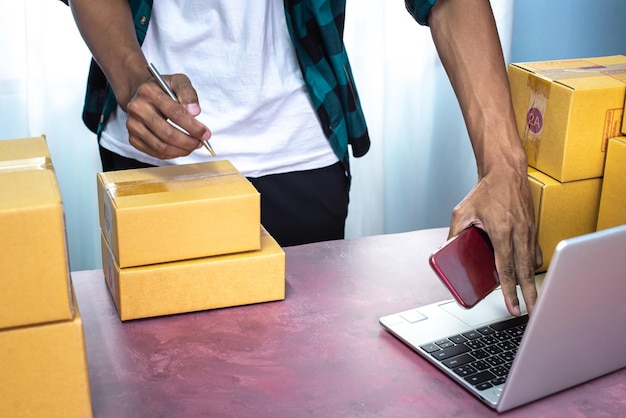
(613, 198)
(566, 111)
(197, 284)
(44, 371)
(163, 214)
(562, 210)
(34, 283)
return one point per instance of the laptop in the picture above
(575, 334)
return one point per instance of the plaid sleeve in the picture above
(419, 9)
(316, 28)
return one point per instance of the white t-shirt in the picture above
(239, 57)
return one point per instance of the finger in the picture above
(146, 141)
(529, 292)
(181, 116)
(460, 220)
(538, 255)
(151, 133)
(505, 265)
(148, 126)
(185, 92)
(456, 226)
(151, 98)
(525, 259)
(188, 98)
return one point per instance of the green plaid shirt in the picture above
(316, 29)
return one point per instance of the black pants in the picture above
(296, 208)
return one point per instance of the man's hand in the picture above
(149, 112)
(500, 203)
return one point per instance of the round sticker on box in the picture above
(534, 120)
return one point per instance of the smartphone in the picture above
(466, 266)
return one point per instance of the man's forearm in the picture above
(108, 30)
(466, 38)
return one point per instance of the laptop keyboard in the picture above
(482, 356)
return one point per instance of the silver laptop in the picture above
(576, 332)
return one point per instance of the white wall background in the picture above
(420, 164)
(43, 70)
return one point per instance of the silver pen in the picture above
(159, 78)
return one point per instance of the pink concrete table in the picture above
(319, 353)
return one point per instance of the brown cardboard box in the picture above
(34, 278)
(566, 111)
(162, 214)
(624, 121)
(197, 284)
(562, 210)
(44, 371)
(613, 198)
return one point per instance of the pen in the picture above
(159, 78)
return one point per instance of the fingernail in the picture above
(193, 108)
(207, 135)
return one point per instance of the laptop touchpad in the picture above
(492, 308)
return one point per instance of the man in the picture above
(270, 85)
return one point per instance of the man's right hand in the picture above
(108, 30)
(150, 111)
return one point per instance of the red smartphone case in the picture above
(466, 266)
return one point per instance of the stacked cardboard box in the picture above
(566, 111)
(42, 352)
(185, 238)
(562, 210)
(613, 199)
(624, 121)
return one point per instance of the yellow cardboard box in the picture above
(566, 111)
(34, 270)
(197, 284)
(162, 214)
(624, 121)
(44, 371)
(562, 210)
(613, 198)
